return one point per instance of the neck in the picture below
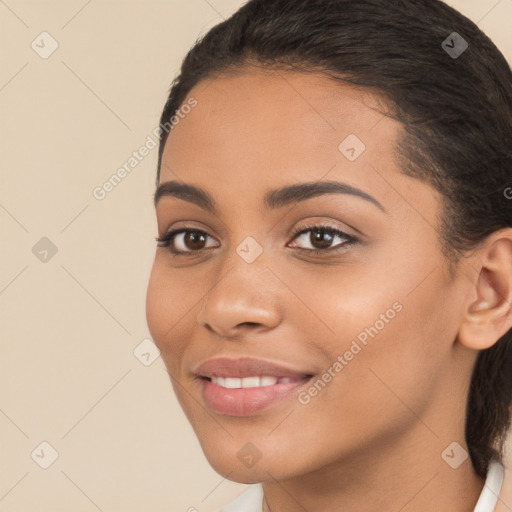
(406, 474)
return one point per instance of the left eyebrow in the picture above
(273, 199)
(295, 193)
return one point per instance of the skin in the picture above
(372, 439)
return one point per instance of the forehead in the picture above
(259, 129)
(281, 107)
(276, 108)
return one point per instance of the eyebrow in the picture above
(273, 199)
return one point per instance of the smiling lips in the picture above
(250, 382)
(241, 387)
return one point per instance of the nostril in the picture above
(249, 323)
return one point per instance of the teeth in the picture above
(287, 379)
(268, 381)
(220, 381)
(248, 382)
(232, 383)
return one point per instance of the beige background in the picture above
(69, 325)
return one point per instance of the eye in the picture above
(321, 239)
(191, 241)
(185, 241)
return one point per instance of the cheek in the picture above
(393, 335)
(157, 305)
(169, 303)
(337, 307)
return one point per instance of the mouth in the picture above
(251, 382)
(244, 387)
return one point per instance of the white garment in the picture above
(251, 499)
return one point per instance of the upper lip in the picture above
(245, 367)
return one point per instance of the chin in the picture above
(248, 477)
(236, 465)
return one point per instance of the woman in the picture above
(332, 288)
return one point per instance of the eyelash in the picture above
(166, 241)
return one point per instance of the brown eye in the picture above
(321, 238)
(194, 240)
(185, 241)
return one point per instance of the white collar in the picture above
(492, 488)
(251, 499)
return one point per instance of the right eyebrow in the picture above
(190, 193)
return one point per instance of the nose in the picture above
(243, 298)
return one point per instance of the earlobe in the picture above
(488, 315)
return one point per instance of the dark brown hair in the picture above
(456, 111)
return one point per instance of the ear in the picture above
(488, 313)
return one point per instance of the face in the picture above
(338, 298)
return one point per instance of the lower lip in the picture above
(246, 401)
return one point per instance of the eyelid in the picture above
(319, 224)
